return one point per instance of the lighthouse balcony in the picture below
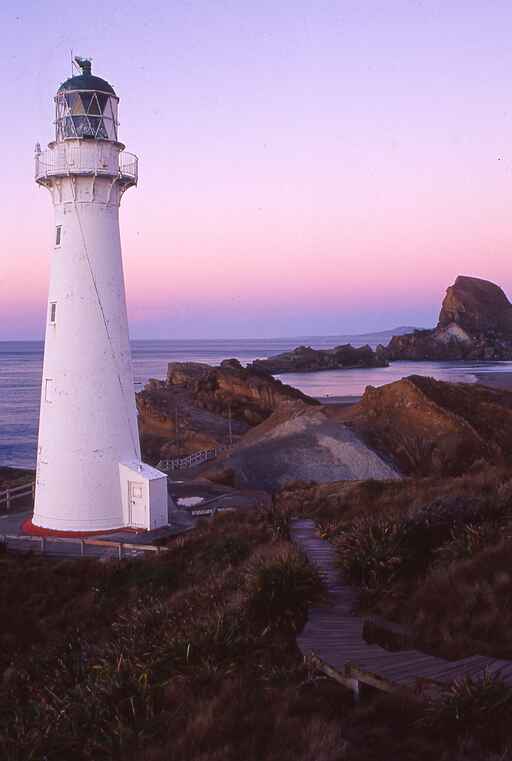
(86, 158)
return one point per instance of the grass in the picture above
(176, 654)
(281, 585)
(477, 707)
(191, 656)
(432, 554)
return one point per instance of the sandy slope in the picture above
(299, 442)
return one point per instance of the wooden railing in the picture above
(43, 544)
(198, 512)
(196, 458)
(8, 496)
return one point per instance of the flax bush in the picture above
(370, 551)
(481, 708)
(280, 584)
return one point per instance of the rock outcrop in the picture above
(199, 405)
(305, 359)
(431, 427)
(246, 394)
(475, 322)
(477, 306)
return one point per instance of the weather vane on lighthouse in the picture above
(90, 476)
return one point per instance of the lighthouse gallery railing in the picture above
(61, 162)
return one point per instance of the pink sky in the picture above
(319, 168)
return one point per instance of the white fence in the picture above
(8, 496)
(196, 458)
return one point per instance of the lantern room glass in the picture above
(86, 114)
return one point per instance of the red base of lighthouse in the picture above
(27, 527)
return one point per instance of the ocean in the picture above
(21, 364)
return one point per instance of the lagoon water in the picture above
(21, 364)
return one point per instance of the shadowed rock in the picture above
(305, 359)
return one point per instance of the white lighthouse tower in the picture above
(89, 472)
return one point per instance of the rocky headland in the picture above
(198, 405)
(414, 427)
(475, 322)
(305, 359)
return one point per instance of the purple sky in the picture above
(306, 167)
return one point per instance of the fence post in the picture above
(120, 551)
(8, 499)
(82, 547)
(43, 545)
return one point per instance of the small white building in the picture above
(89, 471)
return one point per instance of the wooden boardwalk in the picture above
(333, 636)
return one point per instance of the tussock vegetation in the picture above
(281, 585)
(188, 655)
(191, 656)
(433, 554)
(479, 707)
(345, 500)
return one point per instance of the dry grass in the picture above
(192, 657)
(333, 504)
(172, 657)
(433, 554)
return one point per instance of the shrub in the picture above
(480, 708)
(280, 585)
(370, 550)
(467, 542)
(378, 551)
(278, 518)
(227, 549)
(434, 525)
(464, 608)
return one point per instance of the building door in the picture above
(137, 504)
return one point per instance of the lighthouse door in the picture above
(137, 504)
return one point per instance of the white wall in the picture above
(89, 426)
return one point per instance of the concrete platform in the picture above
(12, 523)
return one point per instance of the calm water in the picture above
(21, 367)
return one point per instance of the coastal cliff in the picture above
(475, 322)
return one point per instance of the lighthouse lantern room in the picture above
(90, 476)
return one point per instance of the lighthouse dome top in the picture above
(86, 80)
(86, 106)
